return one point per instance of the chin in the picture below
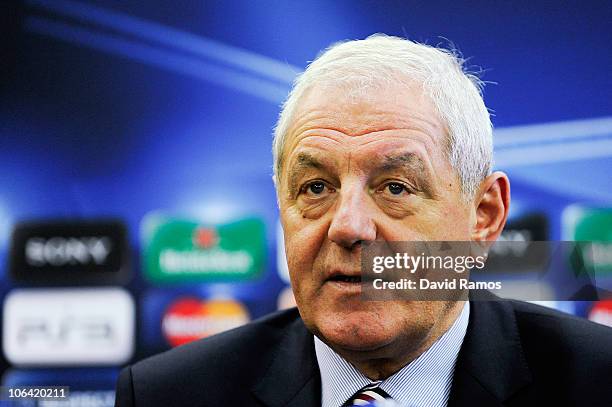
(356, 330)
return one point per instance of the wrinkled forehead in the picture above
(358, 107)
(363, 110)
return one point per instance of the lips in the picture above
(345, 277)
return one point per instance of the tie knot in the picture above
(370, 395)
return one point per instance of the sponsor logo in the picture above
(83, 398)
(514, 252)
(61, 251)
(602, 313)
(185, 250)
(69, 252)
(68, 326)
(592, 228)
(188, 319)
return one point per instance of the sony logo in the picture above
(61, 251)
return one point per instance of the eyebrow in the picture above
(406, 160)
(304, 162)
(412, 164)
(409, 163)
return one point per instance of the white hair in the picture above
(455, 93)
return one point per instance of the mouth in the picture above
(343, 278)
(343, 283)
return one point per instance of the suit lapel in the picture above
(491, 366)
(293, 377)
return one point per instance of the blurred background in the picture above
(137, 210)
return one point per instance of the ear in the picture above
(492, 203)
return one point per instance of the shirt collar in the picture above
(427, 379)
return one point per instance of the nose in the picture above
(352, 223)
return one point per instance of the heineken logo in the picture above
(205, 237)
(210, 261)
(186, 250)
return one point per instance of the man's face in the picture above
(359, 169)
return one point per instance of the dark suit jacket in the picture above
(514, 354)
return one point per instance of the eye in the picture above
(396, 188)
(316, 187)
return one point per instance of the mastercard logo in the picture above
(189, 319)
(602, 312)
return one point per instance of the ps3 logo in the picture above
(66, 331)
(61, 251)
(68, 326)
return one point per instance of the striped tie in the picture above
(370, 395)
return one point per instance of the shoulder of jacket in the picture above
(249, 343)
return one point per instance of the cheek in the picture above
(429, 222)
(303, 241)
(457, 221)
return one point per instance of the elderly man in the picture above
(383, 139)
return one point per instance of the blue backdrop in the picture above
(121, 108)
